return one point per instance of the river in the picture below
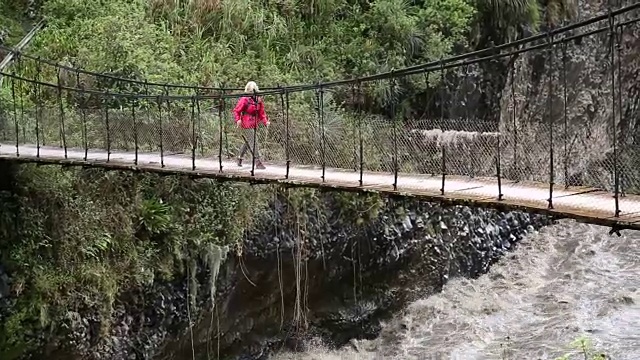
(567, 280)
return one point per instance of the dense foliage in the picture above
(10, 29)
(211, 42)
(78, 238)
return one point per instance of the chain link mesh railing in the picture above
(561, 112)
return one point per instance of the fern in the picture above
(97, 247)
(154, 216)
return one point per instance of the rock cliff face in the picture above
(581, 107)
(509, 95)
(307, 270)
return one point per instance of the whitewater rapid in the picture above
(567, 280)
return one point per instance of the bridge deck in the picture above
(580, 203)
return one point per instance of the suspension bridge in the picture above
(563, 138)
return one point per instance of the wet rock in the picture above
(628, 300)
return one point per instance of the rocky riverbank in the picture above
(307, 269)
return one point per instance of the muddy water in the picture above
(565, 281)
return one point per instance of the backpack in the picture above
(246, 105)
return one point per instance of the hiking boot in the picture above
(239, 162)
(259, 165)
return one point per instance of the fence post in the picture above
(199, 120)
(428, 100)
(498, 166)
(287, 135)
(169, 120)
(468, 166)
(19, 65)
(322, 129)
(254, 98)
(199, 142)
(317, 93)
(619, 50)
(355, 137)
(612, 45)
(135, 130)
(220, 120)
(159, 101)
(63, 136)
(566, 125)
(361, 145)
(4, 122)
(148, 101)
(193, 132)
(226, 124)
(442, 145)
(36, 90)
(550, 109)
(515, 126)
(83, 112)
(106, 120)
(15, 114)
(395, 131)
(282, 104)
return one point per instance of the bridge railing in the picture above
(566, 115)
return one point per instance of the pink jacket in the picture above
(250, 113)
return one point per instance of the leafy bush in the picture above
(78, 238)
(11, 18)
(214, 42)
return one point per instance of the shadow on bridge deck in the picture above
(580, 203)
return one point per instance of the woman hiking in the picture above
(248, 113)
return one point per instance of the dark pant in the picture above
(248, 136)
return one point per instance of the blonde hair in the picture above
(251, 87)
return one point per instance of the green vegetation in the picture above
(12, 17)
(77, 239)
(212, 42)
(582, 348)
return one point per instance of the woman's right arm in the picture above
(237, 111)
